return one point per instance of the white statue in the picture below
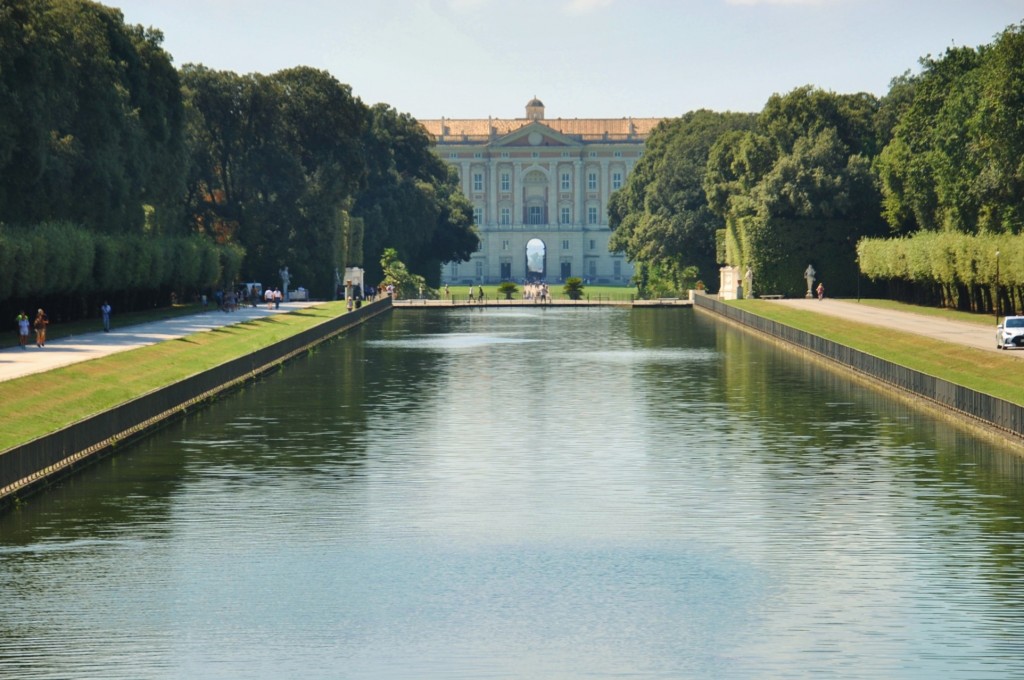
(809, 276)
(748, 284)
(285, 280)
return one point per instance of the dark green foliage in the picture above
(661, 217)
(508, 289)
(277, 159)
(799, 190)
(573, 288)
(62, 259)
(954, 160)
(411, 199)
(90, 118)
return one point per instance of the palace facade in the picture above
(539, 189)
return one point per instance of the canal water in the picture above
(529, 493)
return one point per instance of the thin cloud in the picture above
(461, 5)
(808, 3)
(586, 6)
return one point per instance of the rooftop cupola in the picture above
(535, 109)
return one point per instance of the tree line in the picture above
(864, 188)
(109, 151)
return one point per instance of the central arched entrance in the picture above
(536, 260)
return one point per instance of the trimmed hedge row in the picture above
(963, 267)
(61, 258)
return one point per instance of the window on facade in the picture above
(592, 215)
(504, 154)
(478, 155)
(566, 181)
(618, 154)
(616, 180)
(535, 154)
(479, 269)
(593, 244)
(535, 214)
(617, 265)
(565, 244)
(592, 181)
(506, 216)
(505, 245)
(566, 216)
(478, 215)
(593, 268)
(478, 181)
(480, 245)
(593, 154)
(455, 270)
(506, 182)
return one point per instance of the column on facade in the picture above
(552, 192)
(579, 218)
(467, 179)
(492, 193)
(517, 194)
(605, 185)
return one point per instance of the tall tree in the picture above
(275, 158)
(798, 190)
(91, 118)
(411, 200)
(660, 217)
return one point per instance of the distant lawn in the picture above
(622, 293)
(38, 404)
(991, 373)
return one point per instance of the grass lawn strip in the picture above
(987, 372)
(41, 403)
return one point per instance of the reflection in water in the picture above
(541, 494)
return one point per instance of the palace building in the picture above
(539, 189)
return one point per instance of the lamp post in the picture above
(997, 288)
(857, 264)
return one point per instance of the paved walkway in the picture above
(959, 332)
(16, 362)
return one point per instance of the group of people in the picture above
(538, 292)
(39, 324)
(273, 297)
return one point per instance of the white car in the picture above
(1010, 333)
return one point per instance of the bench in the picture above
(771, 297)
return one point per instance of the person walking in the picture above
(821, 290)
(105, 312)
(40, 324)
(23, 326)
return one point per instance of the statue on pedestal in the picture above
(285, 280)
(748, 284)
(809, 276)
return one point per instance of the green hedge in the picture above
(60, 258)
(962, 268)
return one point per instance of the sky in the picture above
(582, 58)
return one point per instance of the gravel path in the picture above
(959, 332)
